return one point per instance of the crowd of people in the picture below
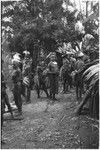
(46, 78)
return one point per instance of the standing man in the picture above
(79, 63)
(27, 73)
(72, 61)
(17, 81)
(65, 74)
(41, 78)
(4, 96)
(78, 82)
(4, 99)
(53, 76)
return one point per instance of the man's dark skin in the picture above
(16, 78)
(41, 77)
(4, 101)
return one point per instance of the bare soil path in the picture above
(50, 125)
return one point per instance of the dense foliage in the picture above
(46, 25)
(37, 24)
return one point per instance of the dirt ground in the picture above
(47, 125)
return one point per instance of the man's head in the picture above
(65, 61)
(42, 63)
(53, 57)
(27, 54)
(15, 65)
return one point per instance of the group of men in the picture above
(20, 71)
(66, 74)
(47, 78)
(70, 67)
(22, 79)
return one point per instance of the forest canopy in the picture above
(42, 24)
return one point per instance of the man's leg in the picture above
(77, 92)
(19, 100)
(54, 86)
(64, 86)
(20, 103)
(2, 110)
(16, 99)
(28, 94)
(23, 90)
(8, 104)
(80, 91)
(2, 118)
(51, 87)
(70, 82)
(45, 88)
(38, 88)
(38, 92)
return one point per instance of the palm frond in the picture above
(91, 76)
(91, 72)
(94, 81)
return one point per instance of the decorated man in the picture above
(17, 81)
(65, 74)
(27, 75)
(53, 76)
(41, 84)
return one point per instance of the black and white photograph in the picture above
(49, 74)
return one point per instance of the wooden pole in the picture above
(80, 6)
(87, 2)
